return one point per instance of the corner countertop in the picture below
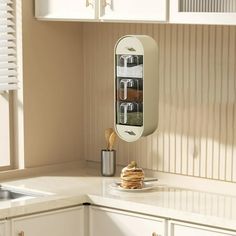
(76, 186)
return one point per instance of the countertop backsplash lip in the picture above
(93, 169)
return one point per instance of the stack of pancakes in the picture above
(132, 177)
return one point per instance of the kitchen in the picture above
(68, 98)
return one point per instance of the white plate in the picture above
(147, 186)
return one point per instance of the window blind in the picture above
(8, 62)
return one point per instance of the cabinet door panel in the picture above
(57, 223)
(203, 12)
(4, 228)
(133, 10)
(65, 9)
(181, 229)
(117, 223)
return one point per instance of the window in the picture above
(11, 105)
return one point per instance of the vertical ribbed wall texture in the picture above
(196, 135)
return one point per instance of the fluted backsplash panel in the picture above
(196, 135)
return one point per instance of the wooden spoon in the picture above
(108, 133)
(112, 140)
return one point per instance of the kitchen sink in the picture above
(7, 194)
(10, 195)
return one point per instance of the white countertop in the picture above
(77, 186)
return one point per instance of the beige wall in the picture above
(52, 70)
(197, 104)
(197, 98)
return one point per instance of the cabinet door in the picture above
(133, 10)
(4, 228)
(65, 9)
(182, 229)
(118, 223)
(57, 223)
(217, 12)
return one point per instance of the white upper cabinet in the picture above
(133, 10)
(217, 12)
(222, 12)
(66, 9)
(105, 10)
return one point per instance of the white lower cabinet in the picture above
(67, 222)
(4, 228)
(104, 222)
(183, 229)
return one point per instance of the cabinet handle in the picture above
(155, 234)
(21, 233)
(108, 3)
(90, 3)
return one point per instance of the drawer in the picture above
(183, 229)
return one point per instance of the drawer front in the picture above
(3, 228)
(182, 229)
(56, 223)
(118, 223)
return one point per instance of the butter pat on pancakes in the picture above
(132, 176)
